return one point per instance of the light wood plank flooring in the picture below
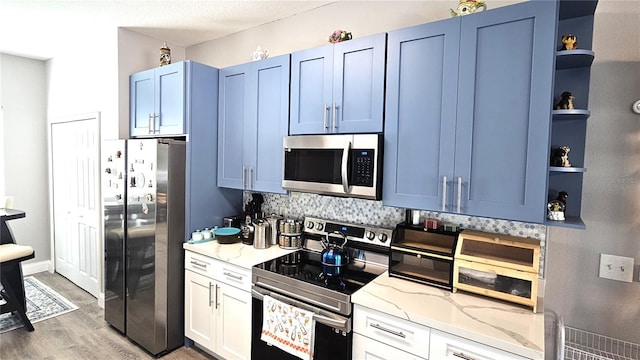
(80, 334)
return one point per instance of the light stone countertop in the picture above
(491, 322)
(238, 253)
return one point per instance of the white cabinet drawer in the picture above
(447, 346)
(234, 275)
(368, 349)
(200, 264)
(393, 331)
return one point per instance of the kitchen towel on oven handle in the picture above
(288, 327)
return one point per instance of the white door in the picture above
(76, 203)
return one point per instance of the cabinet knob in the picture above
(636, 107)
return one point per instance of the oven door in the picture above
(344, 165)
(333, 336)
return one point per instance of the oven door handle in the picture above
(342, 324)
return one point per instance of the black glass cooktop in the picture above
(307, 266)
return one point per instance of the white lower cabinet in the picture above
(448, 346)
(386, 329)
(217, 311)
(378, 335)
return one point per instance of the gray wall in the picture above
(24, 142)
(611, 192)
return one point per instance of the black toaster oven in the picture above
(423, 255)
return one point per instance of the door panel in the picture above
(311, 87)
(420, 117)
(233, 323)
(170, 95)
(141, 106)
(231, 124)
(75, 154)
(272, 122)
(503, 126)
(358, 85)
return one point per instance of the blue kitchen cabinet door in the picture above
(358, 85)
(422, 77)
(339, 88)
(311, 90)
(506, 69)
(269, 112)
(170, 99)
(157, 101)
(233, 98)
(141, 103)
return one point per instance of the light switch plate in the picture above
(616, 267)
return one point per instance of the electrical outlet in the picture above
(616, 267)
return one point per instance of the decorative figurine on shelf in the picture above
(165, 55)
(569, 42)
(259, 54)
(466, 7)
(556, 208)
(339, 36)
(566, 101)
(560, 156)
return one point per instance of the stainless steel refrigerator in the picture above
(144, 220)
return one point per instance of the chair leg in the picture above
(13, 293)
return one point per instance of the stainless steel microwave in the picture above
(347, 165)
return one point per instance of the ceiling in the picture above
(36, 28)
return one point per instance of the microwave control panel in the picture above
(362, 165)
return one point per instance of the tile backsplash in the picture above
(358, 211)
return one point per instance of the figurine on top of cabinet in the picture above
(569, 42)
(339, 36)
(466, 7)
(566, 101)
(165, 55)
(560, 156)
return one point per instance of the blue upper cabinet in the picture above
(339, 88)
(484, 142)
(422, 77)
(253, 118)
(157, 101)
(232, 100)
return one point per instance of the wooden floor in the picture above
(80, 334)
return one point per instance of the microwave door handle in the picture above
(345, 160)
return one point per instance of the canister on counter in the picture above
(448, 226)
(430, 223)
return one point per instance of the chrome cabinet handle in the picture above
(461, 355)
(334, 122)
(217, 303)
(233, 276)
(444, 193)
(149, 131)
(392, 332)
(325, 110)
(210, 293)
(250, 179)
(244, 170)
(198, 264)
(344, 173)
(459, 192)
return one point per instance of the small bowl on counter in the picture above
(227, 235)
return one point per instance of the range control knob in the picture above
(310, 224)
(319, 226)
(383, 238)
(371, 235)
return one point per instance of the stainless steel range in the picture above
(305, 280)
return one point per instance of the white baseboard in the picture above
(101, 300)
(36, 267)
